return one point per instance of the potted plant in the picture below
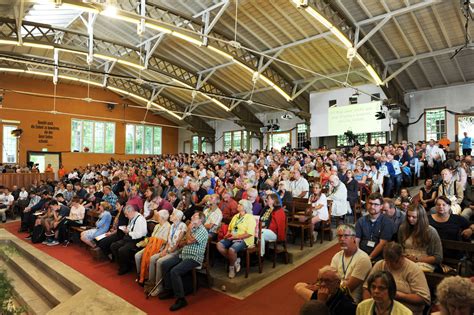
(351, 137)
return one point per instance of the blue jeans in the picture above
(172, 270)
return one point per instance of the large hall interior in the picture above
(235, 156)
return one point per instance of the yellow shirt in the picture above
(244, 225)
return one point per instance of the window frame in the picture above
(244, 140)
(299, 142)
(276, 133)
(445, 121)
(93, 137)
(8, 134)
(154, 150)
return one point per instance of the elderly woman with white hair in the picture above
(456, 296)
(176, 233)
(240, 235)
(146, 258)
(338, 195)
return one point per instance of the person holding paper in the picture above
(135, 231)
(102, 225)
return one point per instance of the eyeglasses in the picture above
(380, 288)
(374, 204)
(344, 235)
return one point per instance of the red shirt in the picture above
(228, 209)
(277, 225)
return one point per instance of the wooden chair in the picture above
(360, 202)
(283, 248)
(300, 206)
(326, 225)
(204, 266)
(255, 249)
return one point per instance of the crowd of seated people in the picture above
(148, 211)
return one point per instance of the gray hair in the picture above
(247, 206)
(252, 192)
(329, 269)
(343, 227)
(164, 214)
(128, 208)
(457, 288)
(178, 213)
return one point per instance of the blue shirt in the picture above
(103, 223)
(366, 230)
(466, 143)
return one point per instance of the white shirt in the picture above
(298, 186)
(322, 212)
(7, 200)
(23, 195)
(137, 227)
(357, 266)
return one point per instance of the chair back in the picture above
(258, 230)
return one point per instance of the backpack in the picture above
(465, 268)
(38, 234)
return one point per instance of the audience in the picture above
(176, 233)
(382, 289)
(420, 241)
(240, 235)
(456, 296)
(352, 264)
(134, 232)
(273, 220)
(191, 256)
(145, 259)
(102, 225)
(213, 190)
(449, 226)
(412, 289)
(327, 289)
(374, 230)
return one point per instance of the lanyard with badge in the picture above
(371, 242)
(236, 225)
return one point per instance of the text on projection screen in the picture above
(359, 118)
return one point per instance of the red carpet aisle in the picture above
(275, 298)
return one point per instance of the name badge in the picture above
(371, 243)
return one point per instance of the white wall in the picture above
(455, 98)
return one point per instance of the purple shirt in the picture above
(256, 208)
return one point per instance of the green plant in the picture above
(7, 306)
(351, 137)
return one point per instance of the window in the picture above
(381, 137)
(435, 124)
(278, 140)
(343, 141)
(364, 138)
(9, 145)
(142, 139)
(96, 136)
(227, 141)
(195, 144)
(301, 130)
(236, 140)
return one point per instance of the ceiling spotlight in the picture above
(356, 93)
(110, 10)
